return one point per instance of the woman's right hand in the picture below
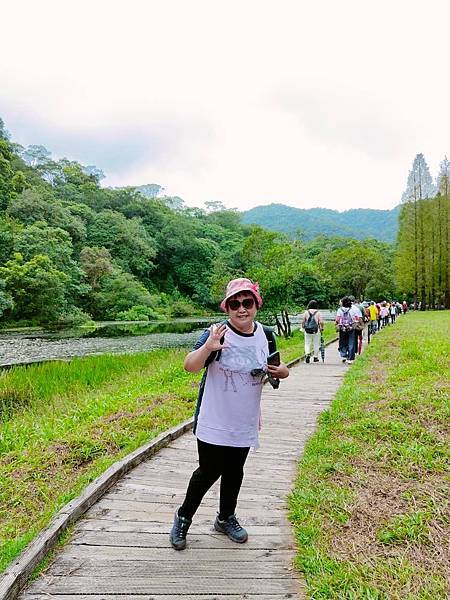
(216, 333)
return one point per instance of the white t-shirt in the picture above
(231, 402)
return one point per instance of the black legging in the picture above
(214, 462)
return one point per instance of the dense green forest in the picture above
(72, 250)
(358, 223)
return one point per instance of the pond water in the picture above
(24, 346)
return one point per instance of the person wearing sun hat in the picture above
(234, 354)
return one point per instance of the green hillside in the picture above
(357, 223)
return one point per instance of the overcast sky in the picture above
(245, 102)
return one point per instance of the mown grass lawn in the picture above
(63, 423)
(370, 503)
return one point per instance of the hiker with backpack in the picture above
(236, 354)
(393, 311)
(384, 313)
(312, 325)
(347, 318)
(359, 325)
(373, 316)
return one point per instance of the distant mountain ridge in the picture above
(358, 223)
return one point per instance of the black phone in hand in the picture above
(274, 359)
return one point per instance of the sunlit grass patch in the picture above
(370, 504)
(407, 527)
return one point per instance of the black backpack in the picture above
(311, 325)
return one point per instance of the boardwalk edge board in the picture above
(16, 576)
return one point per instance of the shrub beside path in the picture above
(121, 546)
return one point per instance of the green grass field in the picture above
(63, 423)
(370, 503)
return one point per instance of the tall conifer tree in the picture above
(443, 210)
(419, 186)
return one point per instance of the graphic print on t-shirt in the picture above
(235, 366)
(239, 359)
(230, 406)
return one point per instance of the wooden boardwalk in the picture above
(121, 547)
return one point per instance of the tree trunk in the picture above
(440, 269)
(423, 297)
(288, 324)
(280, 329)
(446, 281)
(416, 253)
(433, 260)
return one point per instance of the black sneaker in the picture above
(316, 359)
(179, 531)
(307, 358)
(232, 529)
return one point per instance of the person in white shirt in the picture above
(312, 325)
(227, 418)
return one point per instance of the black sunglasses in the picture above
(236, 304)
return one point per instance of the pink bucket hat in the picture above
(235, 286)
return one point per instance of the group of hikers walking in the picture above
(351, 318)
(384, 313)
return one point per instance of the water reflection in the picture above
(113, 330)
(133, 329)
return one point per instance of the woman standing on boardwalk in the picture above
(228, 412)
(312, 325)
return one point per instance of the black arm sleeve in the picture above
(202, 339)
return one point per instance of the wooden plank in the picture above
(212, 498)
(248, 518)
(230, 554)
(190, 464)
(116, 506)
(258, 468)
(208, 501)
(175, 473)
(159, 540)
(143, 585)
(168, 569)
(250, 481)
(258, 596)
(164, 528)
(179, 488)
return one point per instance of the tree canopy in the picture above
(69, 246)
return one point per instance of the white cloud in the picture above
(310, 104)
